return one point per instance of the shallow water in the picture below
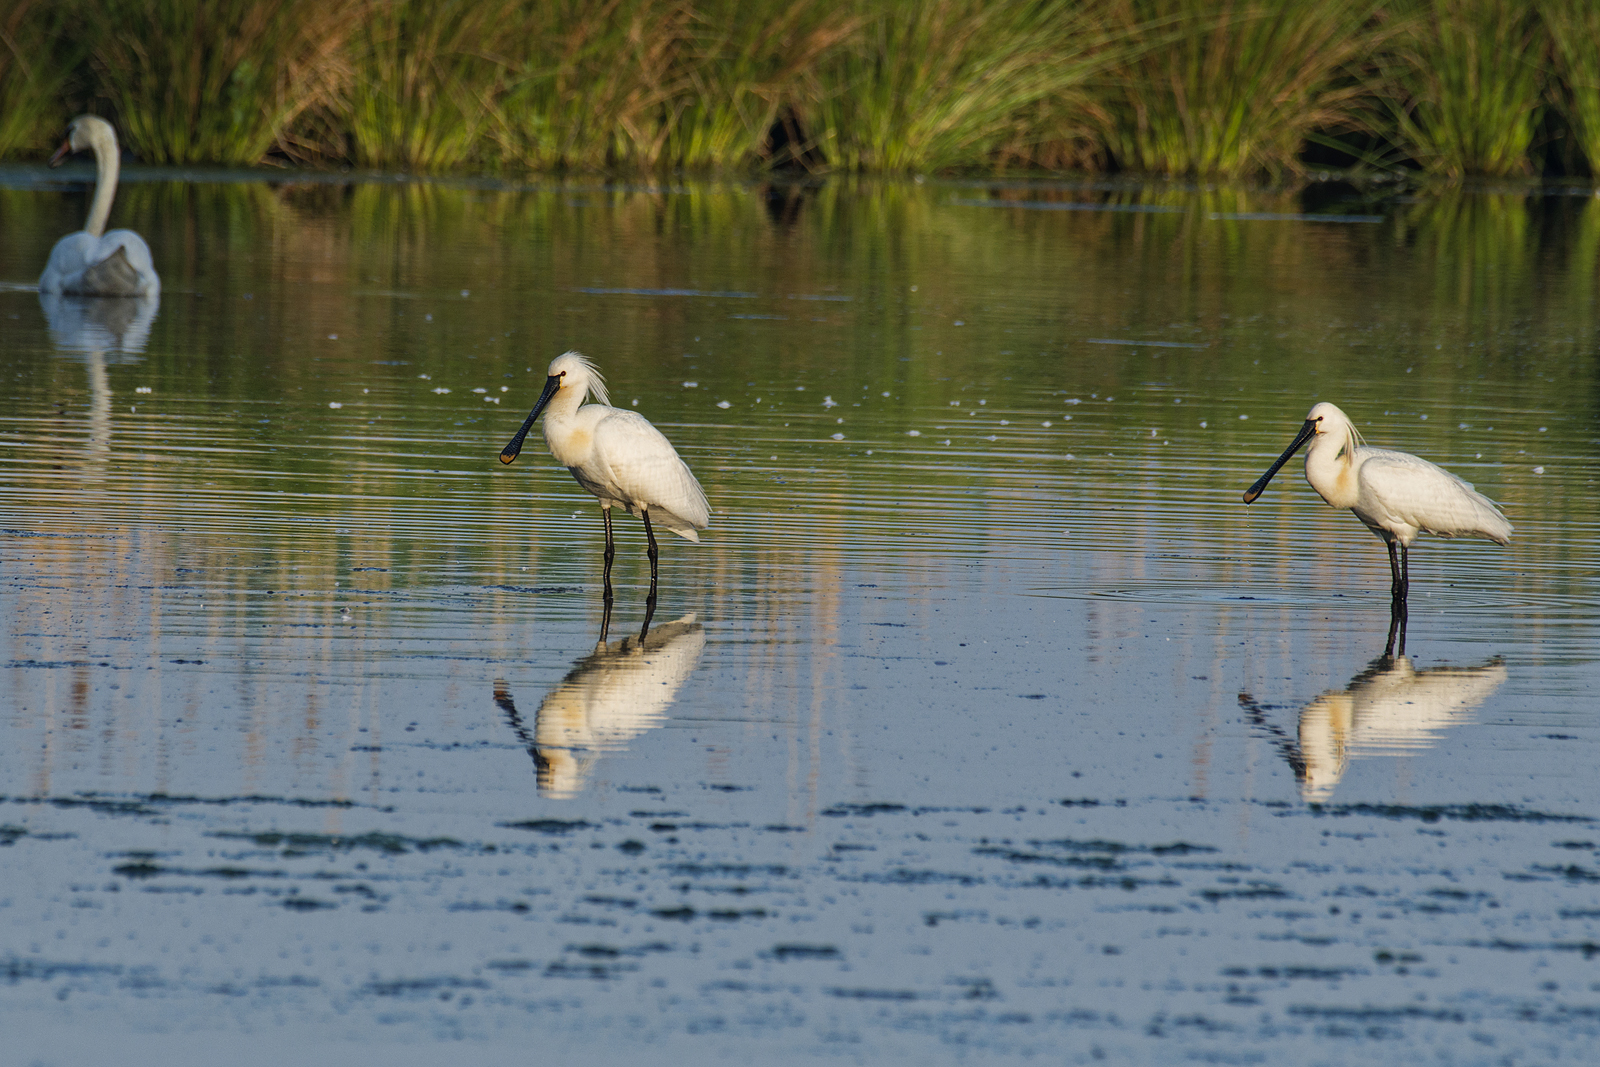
(986, 721)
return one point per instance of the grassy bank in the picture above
(1224, 88)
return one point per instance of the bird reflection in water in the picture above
(611, 696)
(100, 331)
(98, 325)
(1389, 709)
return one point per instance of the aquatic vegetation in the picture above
(749, 78)
(217, 81)
(947, 84)
(1231, 90)
(1573, 27)
(1464, 86)
(595, 85)
(426, 82)
(1239, 88)
(37, 61)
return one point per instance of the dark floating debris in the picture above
(872, 994)
(1433, 813)
(303, 843)
(549, 826)
(307, 904)
(803, 952)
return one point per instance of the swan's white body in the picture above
(93, 262)
(1396, 494)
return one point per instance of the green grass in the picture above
(1237, 88)
(1573, 27)
(748, 68)
(216, 81)
(1463, 87)
(946, 84)
(1214, 88)
(427, 80)
(595, 85)
(38, 58)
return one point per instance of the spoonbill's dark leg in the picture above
(611, 550)
(611, 554)
(650, 535)
(649, 601)
(1399, 588)
(1405, 593)
(605, 620)
(1397, 628)
(649, 613)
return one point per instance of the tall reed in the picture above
(1226, 88)
(1237, 88)
(38, 57)
(946, 83)
(597, 85)
(745, 71)
(1464, 87)
(217, 81)
(1573, 29)
(427, 79)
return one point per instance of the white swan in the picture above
(92, 262)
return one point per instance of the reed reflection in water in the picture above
(954, 730)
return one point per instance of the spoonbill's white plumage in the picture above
(93, 262)
(615, 454)
(1396, 494)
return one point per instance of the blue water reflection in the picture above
(937, 750)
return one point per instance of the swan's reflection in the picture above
(1389, 709)
(611, 696)
(100, 330)
(114, 328)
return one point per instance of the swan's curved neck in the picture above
(106, 166)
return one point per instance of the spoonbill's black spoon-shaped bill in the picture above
(1396, 494)
(615, 454)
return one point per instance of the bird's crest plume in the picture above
(597, 381)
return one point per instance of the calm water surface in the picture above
(985, 723)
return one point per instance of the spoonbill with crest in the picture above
(1396, 494)
(93, 262)
(617, 455)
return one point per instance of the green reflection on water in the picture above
(1187, 306)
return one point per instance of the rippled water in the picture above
(986, 722)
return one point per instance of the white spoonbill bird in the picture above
(93, 262)
(615, 454)
(1396, 494)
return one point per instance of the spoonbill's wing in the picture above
(644, 470)
(1400, 487)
